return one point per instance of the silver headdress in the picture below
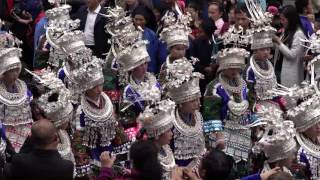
(262, 30)
(175, 30)
(236, 36)
(278, 141)
(183, 83)
(87, 76)
(306, 114)
(55, 102)
(158, 119)
(58, 15)
(133, 56)
(128, 49)
(9, 55)
(231, 58)
(59, 23)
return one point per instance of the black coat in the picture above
(100, 36)
(41, 165)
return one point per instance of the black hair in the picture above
(46, 5)
(196, 6)
(208, 26)
(294, 23)
(53, 98)
(217, 165)
(221, 8)
(242, 8)
(144, 156)
(301, 5)
(147, 14)
(43, 134)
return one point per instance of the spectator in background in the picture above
(130, 5)
(93, 23)
(202, 48)
(215, 12)
(289, 49)
(44, 162)
(40, 29)
(145, 163)
(195, 12)
(141, 16)
(232, 16)
(242, 18)
(303, 8)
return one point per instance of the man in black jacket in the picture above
(92, 24)
(44, 162)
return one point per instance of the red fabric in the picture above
(224, 28)
(182, 5)
(195, 32)
(39, 17)
(10, 4)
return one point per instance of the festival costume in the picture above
(188, 142)
(278, 142)
(59, 110)
(175, 31)
(15, 109)
(260, 74)
(156, 121)
(304, 117)
(226, 100)
(127, 52)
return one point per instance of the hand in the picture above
(25, 14)
(176, 173)
(220, 143)
(107, 159)
(189, 174)
(307, 58)
(267, 174)
(276, 39)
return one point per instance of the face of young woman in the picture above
(165, 138)
(12, 75)
(242, 20)
(231, 73)
(139, 20)
(140, 71)
(192, 12)
(178, 51)
(94, 92)
(262, 54)
(284, 21)
(313, 131)
(213, 12)
(190, 107)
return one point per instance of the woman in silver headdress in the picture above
(56, 106)
(14, 95)
(277, 143)
(175, 35)
(158, 123)
(306, 118)
(183, 88)
(226, 100)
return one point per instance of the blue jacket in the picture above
(157, 51)
(306, 24)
